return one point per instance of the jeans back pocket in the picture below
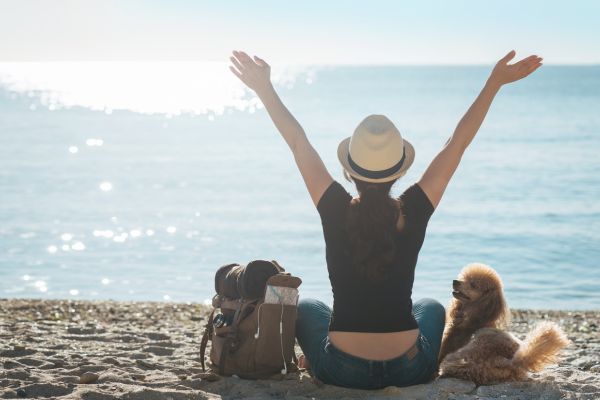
(342, 369)
(416, 370)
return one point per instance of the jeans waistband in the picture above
(408, 355)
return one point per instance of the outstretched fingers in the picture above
(244, 58)
(237, 64)
(529, 61)
(528, 67)
(260, 61)
(535, 63)
(235, 72)
(508, 57)
(506, 73)
(253, 73)
(532, 68)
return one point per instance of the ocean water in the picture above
(135, 181)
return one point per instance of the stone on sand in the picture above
(88, 377)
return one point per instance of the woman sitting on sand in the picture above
(375, 336)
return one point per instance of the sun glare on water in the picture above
(170, 88)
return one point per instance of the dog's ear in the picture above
(492, 309)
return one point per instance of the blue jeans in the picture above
(334, 366)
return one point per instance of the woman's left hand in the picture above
(504, 73)
(255, 73)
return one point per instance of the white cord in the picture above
(284, 370)
(257, 334)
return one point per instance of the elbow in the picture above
(298, 141)
(293, 145)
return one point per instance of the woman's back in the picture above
(373, 318)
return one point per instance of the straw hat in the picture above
(376, 151)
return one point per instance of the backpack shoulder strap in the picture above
(231, 334)
(207, 335)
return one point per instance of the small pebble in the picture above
(21, 393)
(88, 377)
(595, 368)
(209, 376)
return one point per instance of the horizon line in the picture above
(316, 64)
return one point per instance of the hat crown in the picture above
(376, 143)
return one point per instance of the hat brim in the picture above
(344, 149)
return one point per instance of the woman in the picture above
(375, 336)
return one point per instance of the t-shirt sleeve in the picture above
(417, 205)
(333, 203)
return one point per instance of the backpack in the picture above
(253, 335)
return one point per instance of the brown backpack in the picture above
(258, 337)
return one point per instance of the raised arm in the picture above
(256, 74)
(440, 171)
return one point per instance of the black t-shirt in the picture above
(358, 305)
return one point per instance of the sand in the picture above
(102, 350)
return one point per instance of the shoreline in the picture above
(150, 350)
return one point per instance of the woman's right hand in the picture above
(504, 73)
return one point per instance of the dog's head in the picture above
(478, 293)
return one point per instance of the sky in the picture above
(300, 32)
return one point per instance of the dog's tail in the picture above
(541, 347)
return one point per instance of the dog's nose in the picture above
(455, 283)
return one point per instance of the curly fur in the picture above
(475, 345)
(478, 302)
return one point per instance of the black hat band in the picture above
(378, 174)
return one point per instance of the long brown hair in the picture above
(371, 229)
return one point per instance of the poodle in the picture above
(475, 345)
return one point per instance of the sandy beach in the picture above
(104, 350)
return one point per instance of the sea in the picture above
(137, 180)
